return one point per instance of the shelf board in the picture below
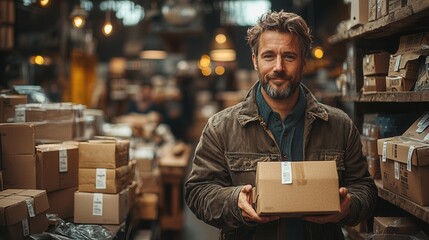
(390, 24)
(409, 206)
(420, 96)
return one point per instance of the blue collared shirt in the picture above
(289, 134)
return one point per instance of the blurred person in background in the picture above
(279, 120)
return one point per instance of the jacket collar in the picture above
(248, 110)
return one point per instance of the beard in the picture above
(276, 93)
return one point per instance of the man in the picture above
(279, 120)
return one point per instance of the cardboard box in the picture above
(17, 138)
(405, 168)
(358, 12)
(382, 8)
(57, 166)
(50, 112)
(19, 171)
(405, 62)
(103, 180)
(373, 84)
(100, 208)
(396, 4)
(103, 154)
(372, 10)
(399, 84)
(419, 130)
(395, 225)
(61, 202)
(314, 181)
(55, 132)
(147, 206)
(376, 64)
(22, 212)
(7, 106)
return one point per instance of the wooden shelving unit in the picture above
(384, 34)
(391, 24)
(399, 201)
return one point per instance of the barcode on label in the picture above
(286, 173)
(100, 178)
(97, 204)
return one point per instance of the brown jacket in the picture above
(235, 139)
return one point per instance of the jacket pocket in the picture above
(242, 166)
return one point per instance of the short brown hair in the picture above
(281, 22)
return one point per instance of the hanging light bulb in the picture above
(44, 3)
(78, 17)
(107, 27)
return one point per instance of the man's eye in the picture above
(267, 56)
(289, 57)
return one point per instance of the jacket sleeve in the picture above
(357, 179)
(209, 192)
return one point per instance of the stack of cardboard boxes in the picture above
(404, 162)
(22, 212)
(104, 179)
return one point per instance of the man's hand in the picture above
(245, 204)
(345, 200)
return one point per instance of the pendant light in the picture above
(222, 49)
(107, 27)
(78, 17)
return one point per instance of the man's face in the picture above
(279, 64)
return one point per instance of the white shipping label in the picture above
(383, 154)
(62, 158)
(100, 178)
(25, 227)
(30, 207)
(286, 173)
(19, 115)
(422, 127)
(423, 120)
(97, 204)
(397, 63)
(410, 157)
(396, 170)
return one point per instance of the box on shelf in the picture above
(395, 225)
(103, 180)
(358, 12)
(315, 181)
(376, 64)
(103, 153)
(100, 208)
(382, 8)
(398, 84)
(373, 84)
(405, 168)
(419, 130)
(405, 62)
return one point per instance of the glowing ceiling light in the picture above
(44, 3)
(318, 52)
(78, 16)
(219, 70)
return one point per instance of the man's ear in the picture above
(255, 62)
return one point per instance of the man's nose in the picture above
(279, 65)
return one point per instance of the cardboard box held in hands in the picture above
(294, 189)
